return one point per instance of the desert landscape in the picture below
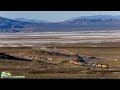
(47, 55)
(59, 45)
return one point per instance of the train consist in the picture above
(81, 61)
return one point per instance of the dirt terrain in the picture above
(35, 63)
(48, 55)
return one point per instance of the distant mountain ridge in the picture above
(98, 22)
(30, 20)
(102, 17)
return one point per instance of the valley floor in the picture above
(21, 54)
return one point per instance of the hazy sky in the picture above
(53, 16)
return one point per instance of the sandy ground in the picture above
(33, 39)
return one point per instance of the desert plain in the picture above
(28, 54)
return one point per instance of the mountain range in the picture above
(102, 17)
(98, 22)
(30, 20)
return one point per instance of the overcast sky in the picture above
(53, 16)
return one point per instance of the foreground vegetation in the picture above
(58, 67)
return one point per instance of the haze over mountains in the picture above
(98, 22)
(103, 17)
(30, 20)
